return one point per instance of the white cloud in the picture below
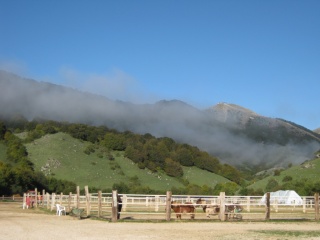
(115, 85)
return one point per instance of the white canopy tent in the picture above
(285, 197)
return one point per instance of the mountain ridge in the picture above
(233, 133)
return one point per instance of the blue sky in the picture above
(262, 55)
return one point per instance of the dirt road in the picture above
(16, 223)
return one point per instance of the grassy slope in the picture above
(309, 170)
(201, 177)
(72, 164)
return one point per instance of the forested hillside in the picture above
(157, 155)
(57, 156)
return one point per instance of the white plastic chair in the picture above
(60, 209)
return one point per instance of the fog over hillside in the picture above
(223, 133)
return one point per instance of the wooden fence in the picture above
(158, 207)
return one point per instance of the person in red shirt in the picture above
(28, 201)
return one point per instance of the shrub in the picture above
(287, 179)
(277, 172)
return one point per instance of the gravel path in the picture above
(16, 223)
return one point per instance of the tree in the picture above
(277, 172)
(231, 173)
(169, 143)
(3, 130)
(183, 156)
(7, 179)
(64, 186)
(121, 187)
(155, 153)
(16, 151)
(287, 178)
(206, 190)
(89, 149)
(134, 154)
(251, 192)
(204, 161)
(315, 188)
(229, 188)
(114, 141)
(24, 179)
(172, 168)
(272, 185)
(79, 131)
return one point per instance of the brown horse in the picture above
(186, 208)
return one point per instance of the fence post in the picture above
(276, 202)
(304, 202)
(78, 197)
(69, 201)
(87, 200)
(35, 197)
(114, 217)
(53, 200)
(48, 200)
(42, 198)
(222, 206)
(24, 204)
(316, 205)
(99, 203)
(168, 205)
(38, 199)
(267, 206)
(156, 203)
(248, 203)
(124, 202)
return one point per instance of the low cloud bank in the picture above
(173, 119)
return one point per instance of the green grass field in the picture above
(65, 158)
(308, 170)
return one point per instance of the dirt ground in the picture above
(16, 223)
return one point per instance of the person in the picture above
(39, 199)
(119, 201)
(32, 202)
(28, 200)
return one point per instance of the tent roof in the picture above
(283, 197)
(283, 193)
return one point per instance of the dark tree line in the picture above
(17, 174)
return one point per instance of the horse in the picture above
(209, 209)
(232, 210)
(180, 208)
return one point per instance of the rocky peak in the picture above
(231, 113)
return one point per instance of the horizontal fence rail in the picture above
(161, 207)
